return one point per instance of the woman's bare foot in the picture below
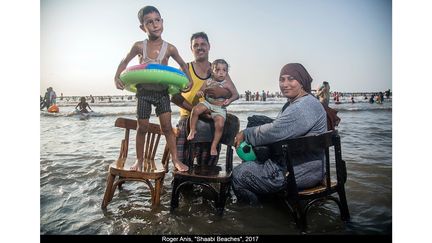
(191, 135)
(180, 166)
(137, 166)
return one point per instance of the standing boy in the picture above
(153, 50)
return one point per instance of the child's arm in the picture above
(231, 87)
(135, 50)
(176, 56)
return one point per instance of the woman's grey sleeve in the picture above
(291, 123)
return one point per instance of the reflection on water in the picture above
(75, 155)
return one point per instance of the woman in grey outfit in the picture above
(302, 115)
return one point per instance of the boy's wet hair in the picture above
(199, 35)
(146, 10)
(219, 61)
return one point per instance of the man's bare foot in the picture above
(137, 166)
(191, 135)
(180, 166)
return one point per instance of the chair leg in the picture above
(157, 191)
(221, 200)
(302, 222)
(345, 216)
(108, 191)
(299, 216)
(174, 195)
(120, 187)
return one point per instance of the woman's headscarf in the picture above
(299, 73)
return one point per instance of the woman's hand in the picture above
(238, 139)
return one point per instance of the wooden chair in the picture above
(204, 174)
(118, 171)
(300, 201)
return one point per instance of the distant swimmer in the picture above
(378, 99)
(49, 99)
(82, 106)
(337, 99)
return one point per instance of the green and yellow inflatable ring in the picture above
(154, 74)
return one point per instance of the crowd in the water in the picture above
(372, 97)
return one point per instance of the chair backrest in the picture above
(309, 144)
(151, 138)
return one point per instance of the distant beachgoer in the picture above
(92, 99)
(302, 115)
(387, 93)
(378, 99)
(43, 103)
(82, 106)
(381, 95)
(52, 96)
(323, 93)
(49, 97)
(337, 98)
(371, 99)
(352, 99)
(263, 96)
(217, 107)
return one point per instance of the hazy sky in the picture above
(346, 42)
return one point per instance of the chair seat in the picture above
(210, 175)
(121, 168)
(317, 189)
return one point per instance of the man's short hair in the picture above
(199, 35)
